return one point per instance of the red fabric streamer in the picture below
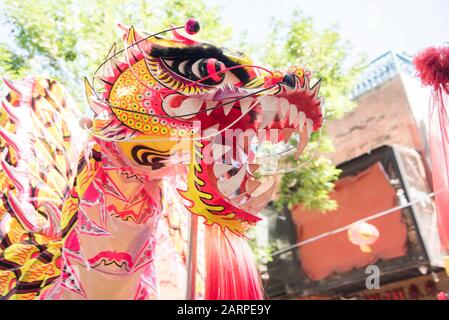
(231, 273)
(432, 65)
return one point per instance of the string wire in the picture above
(199, 81)
(126, 48)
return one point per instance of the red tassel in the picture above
(231, 272)
(432, 65)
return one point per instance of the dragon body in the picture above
(174, 121)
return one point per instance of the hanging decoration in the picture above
(363, 234)
(432, 65)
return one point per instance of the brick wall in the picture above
(382, 116)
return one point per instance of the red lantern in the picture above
(363, 234)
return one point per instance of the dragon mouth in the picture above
(209, 107)
(273, 118)
(280, 107)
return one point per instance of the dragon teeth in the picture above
(257, 203)
(229, 186)
(302, 119)
(245, 105)
(252, 168)
(252, 185)
(268, 104)
(221, 168)
(288, 114)
(263, 187)
(227, 106)
(287, 134)
(284, 107)
(210, 106)
(309, 124)
(293, 115)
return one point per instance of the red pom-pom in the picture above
(432, 65)
(192, 26)
(442, 296)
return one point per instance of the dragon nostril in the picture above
(289, 80)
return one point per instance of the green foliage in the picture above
(309, 186)
(324, 52)
(311, 183)
(68, 39)
(298, 42)
(10, 62)
(262, 252)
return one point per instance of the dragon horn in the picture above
(135, 48)
(131, 38)
(112, 65)
(11, 140)
(112, 51)
(316, 88)
(96, 106)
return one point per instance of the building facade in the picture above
(390, 109)
(381, 146)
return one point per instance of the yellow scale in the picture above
(128, 93)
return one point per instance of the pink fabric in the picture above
(432, 66)
(231, 273)
(109, 254)
(439, 150)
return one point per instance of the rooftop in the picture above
(382, 69)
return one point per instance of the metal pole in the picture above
(192, 257)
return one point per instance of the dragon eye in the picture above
(195, 70)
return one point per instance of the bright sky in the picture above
(372, 26)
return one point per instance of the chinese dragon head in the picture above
(174, 97)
